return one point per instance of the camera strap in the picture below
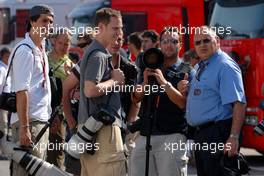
(58, 66)
(11, 62)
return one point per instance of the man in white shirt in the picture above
(30, 81)
(4, 54)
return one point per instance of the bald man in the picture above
(215, 105)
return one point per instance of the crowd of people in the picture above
(202, 101)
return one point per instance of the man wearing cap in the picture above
(30, 82)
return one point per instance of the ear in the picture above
(101, 27)
(31, 22)
(217, 41)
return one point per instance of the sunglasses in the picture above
(204, 41)
(173, 41)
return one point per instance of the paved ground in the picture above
(255, 159)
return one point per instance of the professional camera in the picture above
(33, 165)
(8, 101)
(85, 134)
(178, 74)
(153, 58)
(259, 129)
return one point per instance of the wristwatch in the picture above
(168, 85)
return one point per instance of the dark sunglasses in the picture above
(204, 41)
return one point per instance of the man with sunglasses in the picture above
(169, 126)
(215, 105)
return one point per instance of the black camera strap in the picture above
(11, 62)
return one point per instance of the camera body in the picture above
(8, 101)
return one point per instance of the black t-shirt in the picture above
(169, 117)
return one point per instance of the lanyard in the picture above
(43, 63)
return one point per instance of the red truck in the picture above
(146, 14)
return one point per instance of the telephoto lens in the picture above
(153, 58)
(83, 139)
(33, 165)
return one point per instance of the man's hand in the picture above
(25, 136)
(118, 76)
(159, 76)
(147, 72)
(231, 147)
(183, 85)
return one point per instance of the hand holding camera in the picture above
(159, 76)
(118, 76)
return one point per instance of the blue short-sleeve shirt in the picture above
(211, 96)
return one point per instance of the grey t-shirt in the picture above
(95, 67)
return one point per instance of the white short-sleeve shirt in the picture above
(3, 72)
(29, 72)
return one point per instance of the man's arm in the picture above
(133, 112)
(238, 117)
(69, 85)
(91, 89)
(22, 112)
(174, 95)
(232, 143)
(139, 93)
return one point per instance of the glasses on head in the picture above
(173, 41)
(204, 41)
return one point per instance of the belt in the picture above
(211, 123)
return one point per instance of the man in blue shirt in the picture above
(215, 105)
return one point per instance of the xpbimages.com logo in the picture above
(147, 89)
(56, 30)
(212, 147)
(82, 147)
(197, 30)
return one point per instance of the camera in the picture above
(153, 58)
(8, 101)
(33, 165)
(259, 129)
(85, 134)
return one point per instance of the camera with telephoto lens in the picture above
(153, 58)
(33, 165)
(85, 134)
